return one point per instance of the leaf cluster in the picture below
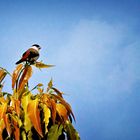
(40, 116)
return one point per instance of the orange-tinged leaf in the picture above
(34, 115)
(47, 115)
(57, 92)
(42, 65)
(16, 74)
(15, 104)
(27, 73)
(40, 85)
(7, 124)
(2, 74)
(2, 126)
(53, 110)
(24, 102)
(3, 108)
(16, 131)
(17, 107)
(17, 123)
(62, 111)
(67, 106)
(2, 100)
(46, 100)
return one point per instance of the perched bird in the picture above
(31, 55)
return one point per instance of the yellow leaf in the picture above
(16, 74)
(27, 73)
(62, 111)
(47, 115)
(16, 105)
(24, 102)
(2, 100)
(2, 126)
(40, 85)
(3, 108)
(42, 65)
(34, 115)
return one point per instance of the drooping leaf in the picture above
(62, 111)
(16, 74)
(54, 132)
(1, 86)
(41, 65)
(2, 74)
(24, 102)
(16, 131)
(23, 134)
(45, 100)
(34, 115)
(7, 124)
(53, 110)
(40, 85)
(71, 132)
(67, 106)
(2, 126)
(16, 119)
(47, 115)
(3, 108)
(16, 105)
(27, 73)
(17, 123)
(2, 100)
(57, 92)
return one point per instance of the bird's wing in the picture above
(26, 54)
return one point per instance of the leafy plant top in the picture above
(28, 116)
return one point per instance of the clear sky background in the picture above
(95, 45)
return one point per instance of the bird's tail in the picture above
(19, 61)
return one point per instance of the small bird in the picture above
(31, 55)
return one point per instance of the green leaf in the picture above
(71, 132)
(54, 132)
(50, 84)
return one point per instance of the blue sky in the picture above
(95, 46)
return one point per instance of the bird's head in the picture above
(36, 46)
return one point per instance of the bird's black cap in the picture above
(37, 46)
